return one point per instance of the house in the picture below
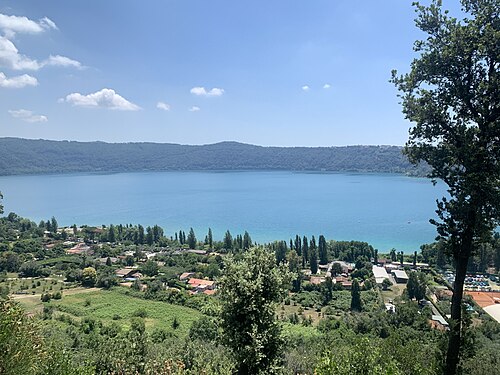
(380, 274)
(201, 285)
(438, 322)
(185, 276)
(198, 252)
(341, 279)
(128, 273)
(80, 248)
(317, 280)
(389, 267)
(400, 276)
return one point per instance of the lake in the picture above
(385, 210)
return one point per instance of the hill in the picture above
(24, 156)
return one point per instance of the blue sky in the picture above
(285, 73)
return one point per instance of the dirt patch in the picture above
(484, 299)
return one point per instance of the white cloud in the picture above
(27, 116)
(105, 98)
(17, 82)
(194, 109)
(201, 91)
(12, 59)
(63, 61)
(11, 25)
(164, 106)
(47, 23)
(326, 86)
(305, 88)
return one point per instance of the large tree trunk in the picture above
(455, 339)
(461, 256)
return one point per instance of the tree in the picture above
(1, 205)
(149, 236)
(247, 241)
(10, 262)
(355, 296)
(140, 236)
(322, 250)
(210, 239)
(327, 290)
(294, 265)
(336, 269)
(305, 251)
(111, 234)
(89, 276)
(150, 268)
(313, 261)
(53, 224)
(393, 254)
(451, 95)
(416, 285)
(249, 291)
(386, 284)
(29, 269)
(228, 241)
(191, 239)
(280, 250)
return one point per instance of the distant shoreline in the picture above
(39, 157)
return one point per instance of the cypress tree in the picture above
(355, 296)
(313, 261)
(322, 250)
(191, 239)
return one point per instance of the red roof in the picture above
(196, 282)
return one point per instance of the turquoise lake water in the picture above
(383, 209)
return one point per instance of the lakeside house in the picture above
(400, 276)
(201, 285)
(380, 274)
(129, 274)
(80, 249)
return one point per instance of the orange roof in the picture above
(210, 292)
(194, 282)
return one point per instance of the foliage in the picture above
(416, 285)
(359, 358)
(356, 296)
(23, 350)
(249, 290)
(41, 156)
(89, 276)
(386, 284)
(150, 268)
(452, 96)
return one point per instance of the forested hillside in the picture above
(23, 156)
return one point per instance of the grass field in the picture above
(36, 285)
(108, 306)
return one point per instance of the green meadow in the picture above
(112, 306)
